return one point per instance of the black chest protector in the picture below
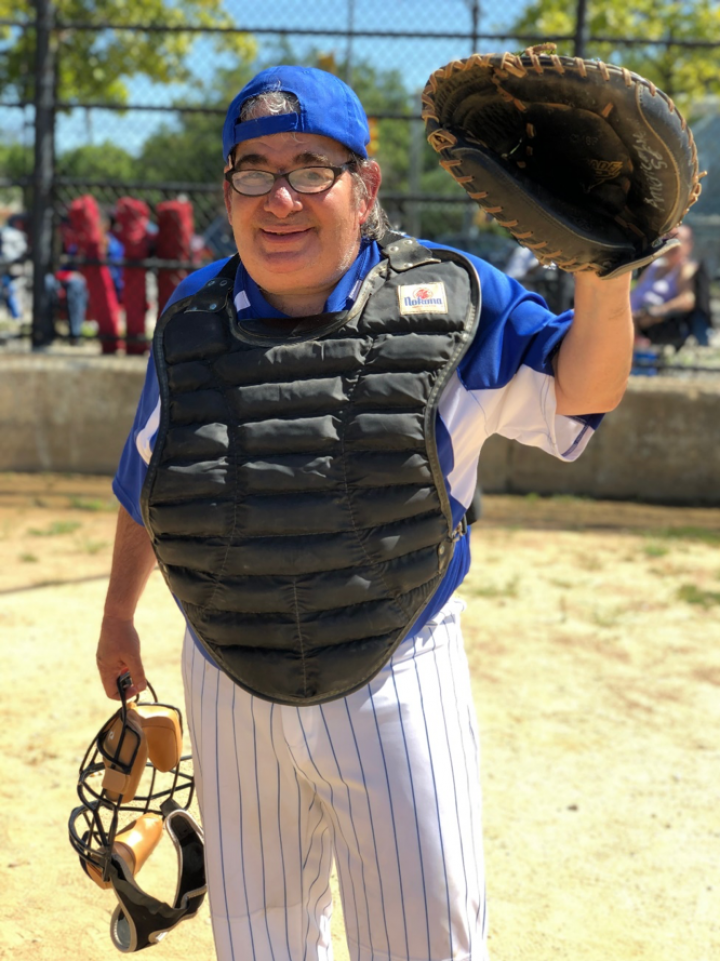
(295, 499)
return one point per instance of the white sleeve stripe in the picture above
(462, 414)
(522, 410)
(145, 438)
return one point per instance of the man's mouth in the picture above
(284, 231)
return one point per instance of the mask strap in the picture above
(140, 920)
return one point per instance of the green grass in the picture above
(692, 594)
(685, 533)
(510, 589)
(28, 558)
(94, 547)
(93, 504)
(57, 527)
(608, 619)
(655, 550)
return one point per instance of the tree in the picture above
(16, 164)
(684, 73)
(105, 161)
(16, 161)
(191, 150)
(96, 64)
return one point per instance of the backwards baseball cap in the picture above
(327, 107)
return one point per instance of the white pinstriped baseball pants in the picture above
(385, 781)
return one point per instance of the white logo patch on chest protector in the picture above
(422, 299)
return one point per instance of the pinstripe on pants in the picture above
(386, 781)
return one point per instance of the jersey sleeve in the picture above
(508, 369)
(505, 384)
(130, 476)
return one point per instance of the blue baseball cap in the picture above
(327, 107)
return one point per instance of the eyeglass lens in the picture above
(306, 180)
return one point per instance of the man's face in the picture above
(293, 244)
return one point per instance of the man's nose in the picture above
(282, 199)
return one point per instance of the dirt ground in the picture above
(593, 632)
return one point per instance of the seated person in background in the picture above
(68, 287)
(670, 300)
(13, 250)
(555, 286)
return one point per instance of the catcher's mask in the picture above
(133, 781)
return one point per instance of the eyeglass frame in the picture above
(338, 171)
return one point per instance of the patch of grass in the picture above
(532, 498)
(685, 534)
(558, 583)
(57, 527)
(607, 618)
(655, 550)
(569, 499)
(93, 504)
(94, 547)
(492, 590)
(28, 558)
(692, 594)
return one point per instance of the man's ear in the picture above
(372, 178)
(226, 197)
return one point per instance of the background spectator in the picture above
(13, 250)
(671, 299)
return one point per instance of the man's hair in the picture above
(275, 102)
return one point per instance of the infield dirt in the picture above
(593, 634)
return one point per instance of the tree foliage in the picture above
(101, 162)
(685, 73)
(191, 149)
(96, 64)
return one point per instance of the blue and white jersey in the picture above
(503, 385)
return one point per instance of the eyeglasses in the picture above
(305, 180)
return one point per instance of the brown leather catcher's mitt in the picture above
(588, 165)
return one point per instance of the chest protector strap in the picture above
(295, 499)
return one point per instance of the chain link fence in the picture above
(116, 102)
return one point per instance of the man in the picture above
(313, 445)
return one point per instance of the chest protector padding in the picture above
(294, 499)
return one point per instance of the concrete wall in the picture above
(67, 414)
(70, 414)
(662, 444)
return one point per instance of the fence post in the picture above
(41, 224)
(580, 29)
(475, 16)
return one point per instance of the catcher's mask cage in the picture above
(134, 781)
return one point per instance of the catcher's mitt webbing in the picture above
(588, 165)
